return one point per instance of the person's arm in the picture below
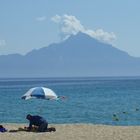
(30, 126)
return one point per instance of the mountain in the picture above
(79, 55)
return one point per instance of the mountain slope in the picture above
(79, 55)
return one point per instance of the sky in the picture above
(32, 24)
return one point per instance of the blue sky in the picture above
(33, 24)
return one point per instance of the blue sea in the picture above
(97, 100)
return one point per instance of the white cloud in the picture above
(42, 18)
(56, 18)
(2, 43)
(71, 25)
(102, 35)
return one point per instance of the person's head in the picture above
(1, 126)
(29, 116)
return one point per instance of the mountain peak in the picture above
(81, 35)
(79, 55)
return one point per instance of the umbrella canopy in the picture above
(40, 93)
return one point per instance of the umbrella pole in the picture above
(40, 111)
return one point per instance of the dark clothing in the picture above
(40, 122)
(43, 127)
(2, 129)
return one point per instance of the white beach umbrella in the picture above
(40, 93)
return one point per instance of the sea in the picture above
(96, 100)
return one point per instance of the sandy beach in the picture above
(75, 132)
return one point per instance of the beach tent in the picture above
(40, 93)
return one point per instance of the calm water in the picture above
(114, 101)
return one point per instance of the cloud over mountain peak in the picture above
(70, 25)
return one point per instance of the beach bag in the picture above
(2, 129)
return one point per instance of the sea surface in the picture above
(97, 100)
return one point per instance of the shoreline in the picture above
(77, 131)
